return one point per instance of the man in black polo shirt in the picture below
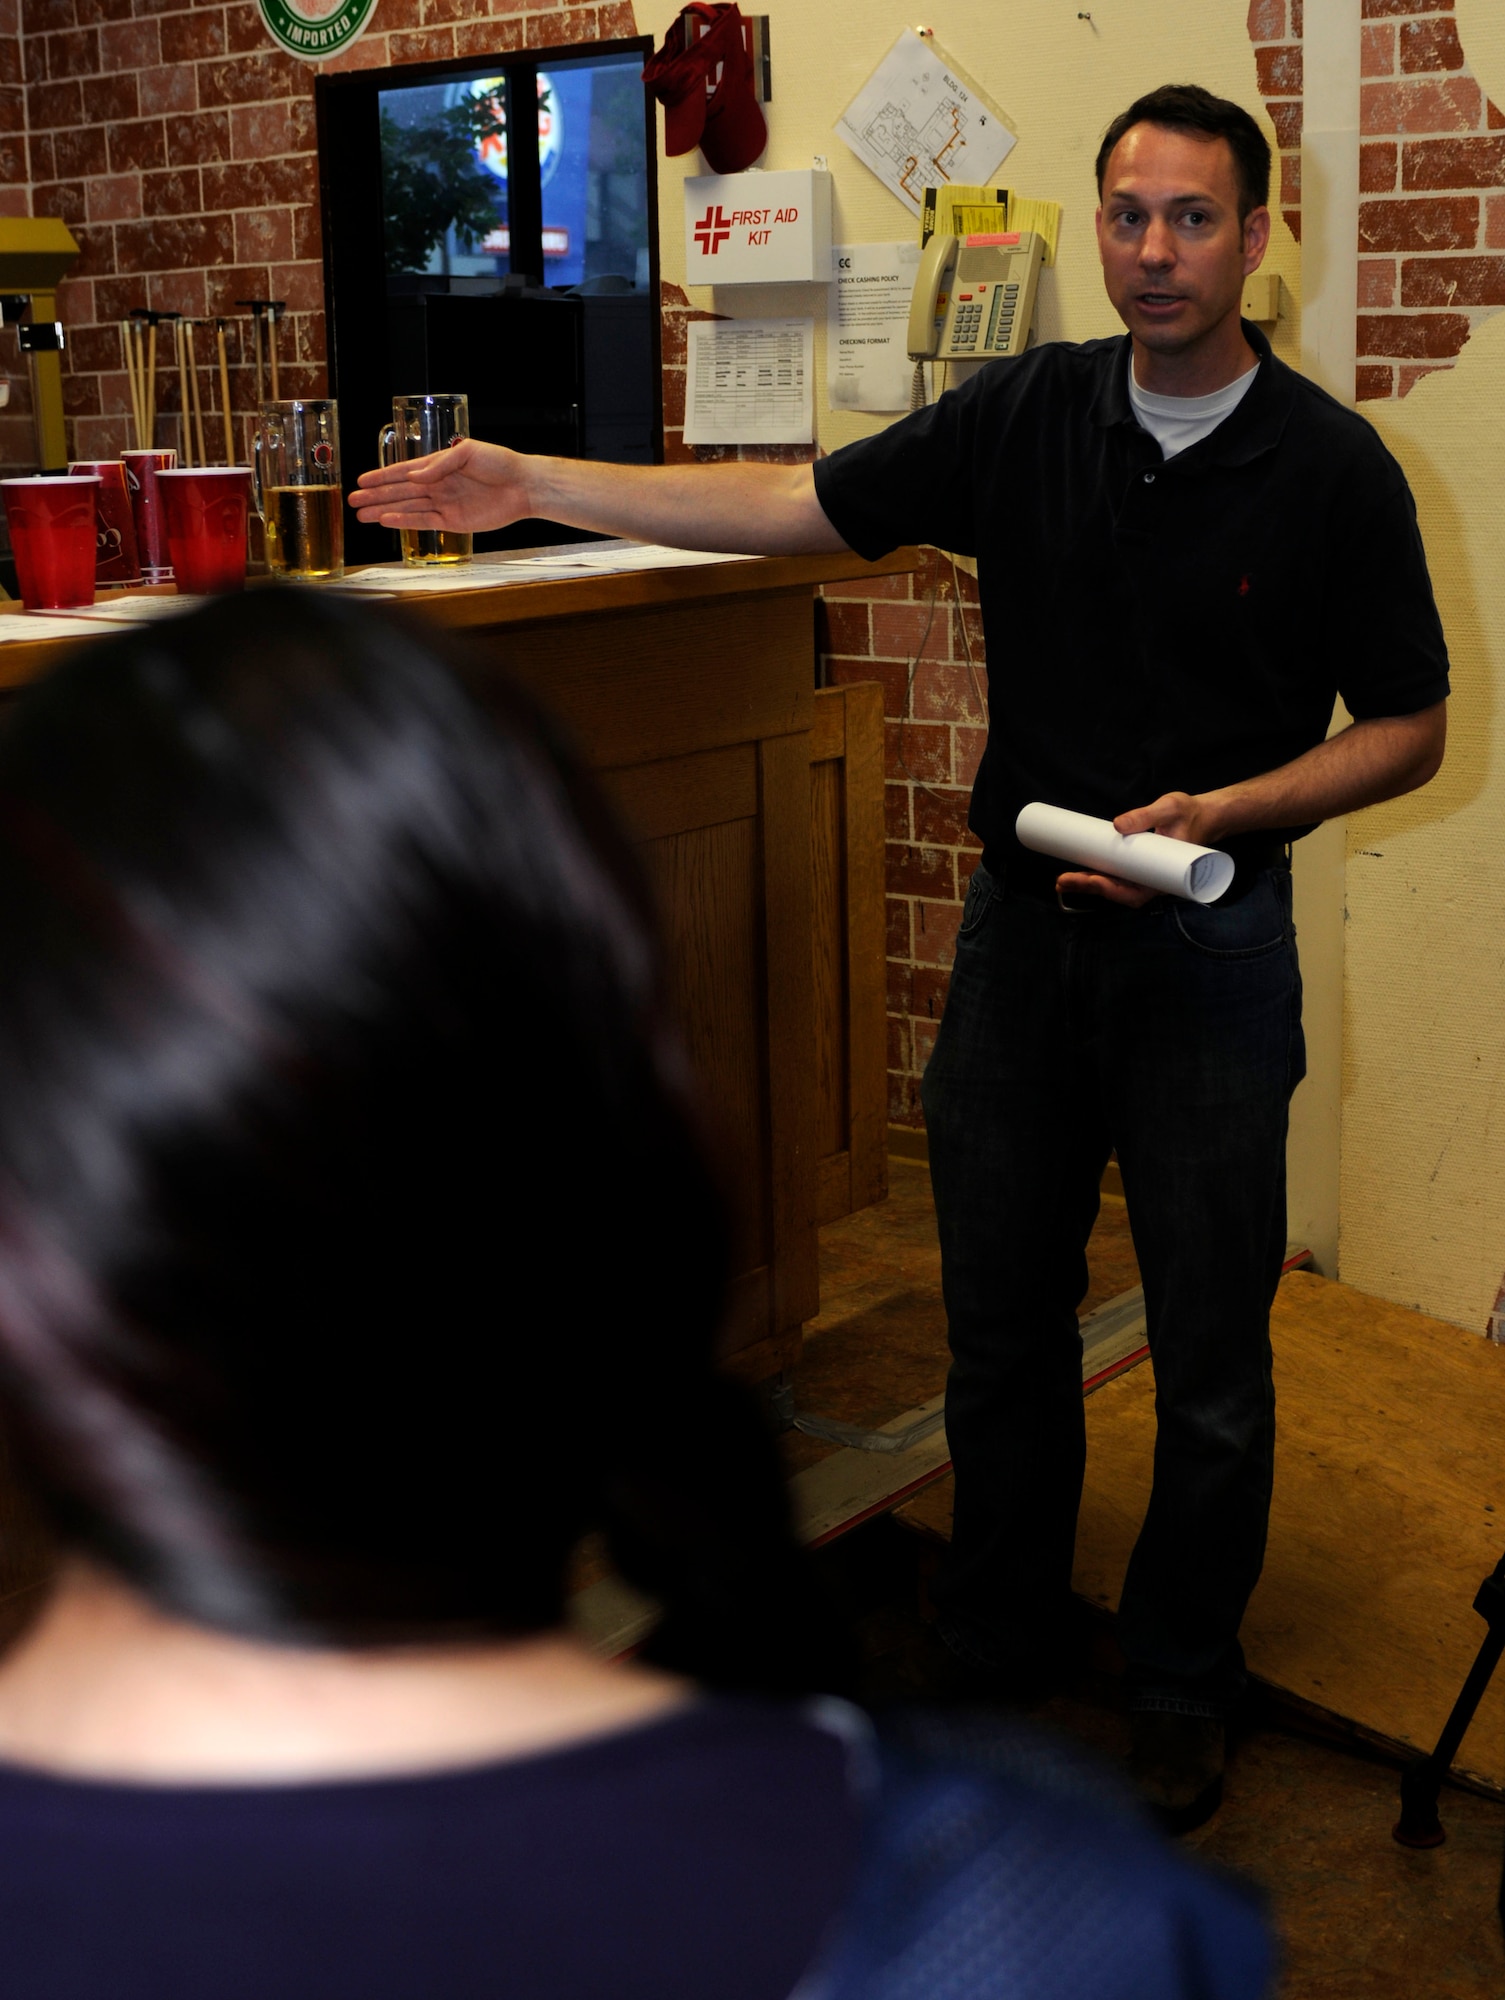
(1184, 551)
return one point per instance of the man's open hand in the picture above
(468, 487)
(1178, 815)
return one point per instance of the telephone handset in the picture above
(974, 297)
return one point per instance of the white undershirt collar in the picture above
(1177, 422)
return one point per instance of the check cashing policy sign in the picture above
(317, 28)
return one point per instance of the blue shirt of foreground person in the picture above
(1185, 553)
(315, 1394)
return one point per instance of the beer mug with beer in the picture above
(295, 456)
(420, 425)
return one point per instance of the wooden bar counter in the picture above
(691, 691)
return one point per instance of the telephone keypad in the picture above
(978, 320)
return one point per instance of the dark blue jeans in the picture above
(1173, 1035)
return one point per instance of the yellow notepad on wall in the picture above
(958, 209)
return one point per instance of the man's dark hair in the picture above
(1187, 107)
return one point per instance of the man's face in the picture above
(1174, 252)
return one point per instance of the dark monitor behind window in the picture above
(459, 257)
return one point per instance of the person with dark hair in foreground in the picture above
(1185, 552)
(358, 1255)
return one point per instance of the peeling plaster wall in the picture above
(1423, 1191)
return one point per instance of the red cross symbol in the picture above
(712, 231)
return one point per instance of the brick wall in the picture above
(677, 312)
(15, 418)
(12, 112)
(1431, 177)
(913, 634)
(1275, 30)
(178, 144)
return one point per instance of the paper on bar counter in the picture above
(16, 627)
(485, 573)
(603, 557)
(1171, 867)
(396, 579)
(132, 610)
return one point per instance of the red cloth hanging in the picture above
(720, 115)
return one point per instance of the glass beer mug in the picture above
(420, 425)
(295, 459)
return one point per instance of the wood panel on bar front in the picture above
(851, 1002)
(698, 708)
(692, 692)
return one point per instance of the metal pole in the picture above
(1421, 1782)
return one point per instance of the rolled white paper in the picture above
(1154, 860)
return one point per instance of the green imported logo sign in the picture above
(313, 37)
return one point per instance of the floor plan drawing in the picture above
(917, 124)
(890, 133)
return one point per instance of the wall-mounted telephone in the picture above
(974, 298)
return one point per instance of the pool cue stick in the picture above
(186, 391)
(193, 387)
(272, 345)
(138, 344)
(128, 342)
(185, 453)
(142, 317)
(185, 368)
(130, 373)
(224, 392)
(151, 384)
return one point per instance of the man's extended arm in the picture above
(1367, 762)
(763, 510)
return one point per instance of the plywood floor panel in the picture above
(878, 1347)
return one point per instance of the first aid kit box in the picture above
(758, 229)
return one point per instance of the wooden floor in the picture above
(1388, 1514)
(1389, 1511)
(1390, 1473)
(879, 1345)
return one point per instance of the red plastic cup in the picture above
(205, 508)
(141, 469)
(53, 537)
(115, 560)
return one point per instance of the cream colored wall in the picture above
(1059, 81)
(1423, 1187)
(1331, 63)
(1423, 1191)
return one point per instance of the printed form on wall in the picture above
(747, 381)
(867, 332)
(917, 124)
